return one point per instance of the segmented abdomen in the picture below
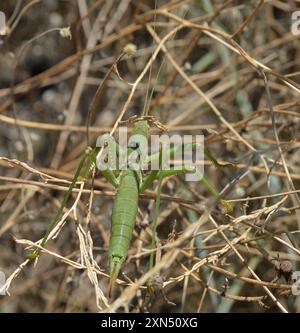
(124, 215)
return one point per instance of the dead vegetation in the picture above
(225, 69)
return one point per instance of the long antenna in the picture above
(98, 95)
(148, 96)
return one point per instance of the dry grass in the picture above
(225, 69)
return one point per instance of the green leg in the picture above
(173, 151)
(154, 174)
(111, 177)
(81, 173)
(85, 165)
(189, 147)
(185, 169)
(149, 180)
(175, 172)
(205, 181)
(189, 169)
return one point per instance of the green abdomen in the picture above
(124, 215)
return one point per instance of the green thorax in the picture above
(139, 137)
(141, 128)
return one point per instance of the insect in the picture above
(129, 182)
